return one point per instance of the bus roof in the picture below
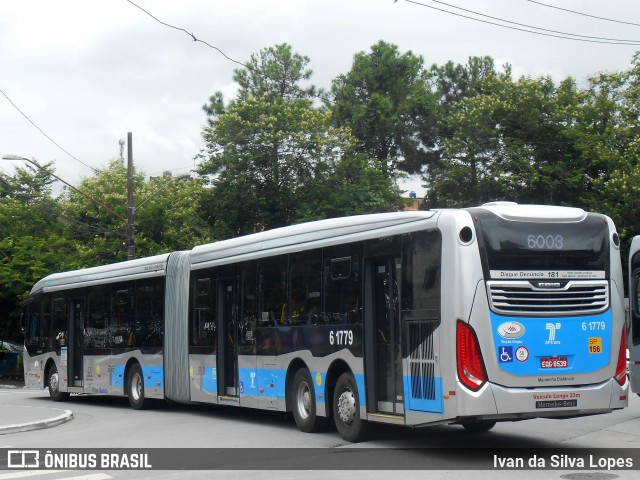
(535, 213)
(297, 236)
(129, 270)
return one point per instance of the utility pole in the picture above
(131, 211)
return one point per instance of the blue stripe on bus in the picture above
(423, 394)
(153, 376)
(210, 380)
(117, 377)
(583, 343)
(271, 383)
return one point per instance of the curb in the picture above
(38, 425)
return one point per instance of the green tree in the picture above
(386, 102)
(270, 149)
(275, 73)
(464, 166)
(32, 239)
(168, 216)
(264, 154)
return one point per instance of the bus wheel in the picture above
(346, 410)
(135, 388)
(304, 403)
(54, 386)
(480, 426)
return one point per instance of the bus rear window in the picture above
(570, 248)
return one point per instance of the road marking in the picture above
(92, 476)
(33, 473)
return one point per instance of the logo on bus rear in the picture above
(511, 330)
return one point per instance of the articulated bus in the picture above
(472, 316)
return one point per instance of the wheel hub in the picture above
(304, 400)
(347, 407)
(53, 382)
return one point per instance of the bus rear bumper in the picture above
(504, 403)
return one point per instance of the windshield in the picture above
(515, 249)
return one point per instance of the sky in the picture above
(86, 72)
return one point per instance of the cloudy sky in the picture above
(86, 72)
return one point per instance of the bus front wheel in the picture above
(54, 386)
(135, 388)
(304, 403)
(346, 410)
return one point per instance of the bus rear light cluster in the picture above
(621, 367)
(471, 371)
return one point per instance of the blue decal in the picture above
(505, 354)
(361, 388)
(117, 377)
(423, 394)
(552, 345)
(153, 376)
(210, 380)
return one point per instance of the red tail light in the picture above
(621, 367)
(471, 371)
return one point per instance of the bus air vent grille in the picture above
(572, 298)
(422, 359)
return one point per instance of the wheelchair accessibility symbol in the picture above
(505, 354)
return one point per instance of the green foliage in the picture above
(32, 239)
(386, 102)
(167, 216)
(270, 152)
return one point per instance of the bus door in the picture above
(384, 371)
(74, 345)
(227, 360)
(634, 310)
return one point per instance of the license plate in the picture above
(554, 362)
(557, 404)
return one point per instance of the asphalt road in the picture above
(105, 422)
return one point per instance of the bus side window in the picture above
(59, 318)
(33, 322)
(342, 289)
(636, 281)
(273, 289)
(203, 326)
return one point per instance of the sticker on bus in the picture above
(557, 403)
(547, 275)
(595, 344)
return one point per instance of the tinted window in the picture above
(202, 326)
(342, 284)
(512, 245)
(421, 275)
(273, 290)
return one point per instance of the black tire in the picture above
(303, 403)
(481, 426)
(135, 388)
(346, 410)
(54, 386)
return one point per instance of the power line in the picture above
(562, 35)
(195, 39)
(584, 14)
(191, 35)
(42, 132)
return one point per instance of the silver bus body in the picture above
(429, 291)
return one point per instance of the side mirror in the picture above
(23, 327)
